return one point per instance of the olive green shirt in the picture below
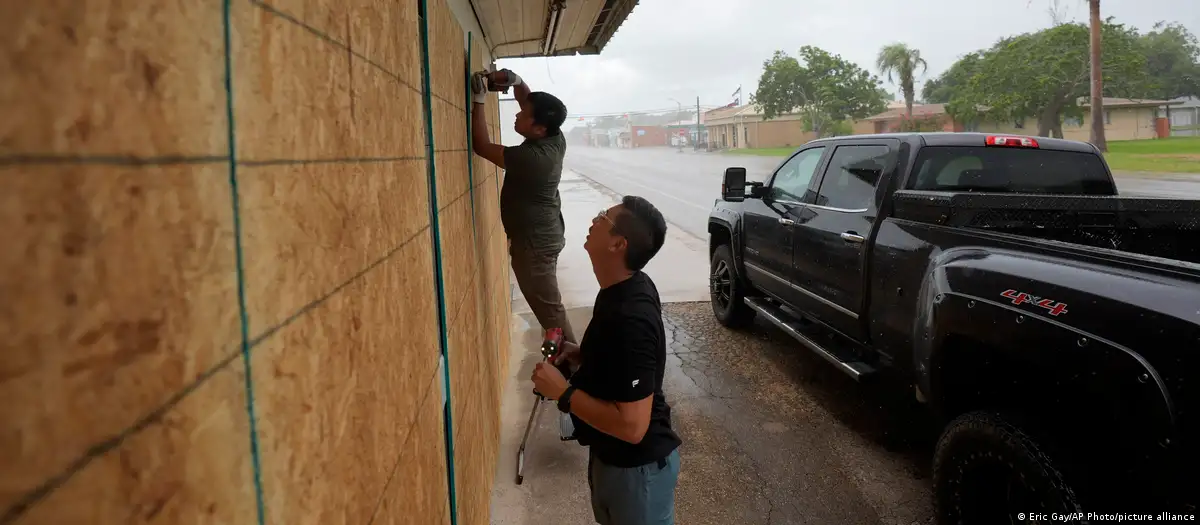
(530, 206)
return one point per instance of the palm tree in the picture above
(901, 61)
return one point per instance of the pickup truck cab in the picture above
(1051, 325)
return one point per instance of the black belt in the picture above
(661, 462)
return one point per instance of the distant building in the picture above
(1184, 116)
(1124, 119)
(744, 127)
(648, 136)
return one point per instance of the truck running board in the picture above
(807, 335)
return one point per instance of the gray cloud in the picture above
(706, 48)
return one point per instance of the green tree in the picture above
(823, 88)
(1172, 61)
(1045, 76)
(900, 62)
(941, 90)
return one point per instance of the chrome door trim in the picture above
(822, 300)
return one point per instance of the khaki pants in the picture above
(537, 277)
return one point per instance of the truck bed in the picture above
(1163, 228)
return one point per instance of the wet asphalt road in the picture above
(684, 185)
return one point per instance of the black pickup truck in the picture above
(1051, 326)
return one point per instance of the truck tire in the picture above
(726, 290)
(986, 468)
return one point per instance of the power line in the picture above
(635, 112)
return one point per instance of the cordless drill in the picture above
(551, 347)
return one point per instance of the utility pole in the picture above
(696, 143)
(678, 113)
(1098, 138)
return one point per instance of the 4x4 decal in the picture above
(1019, 298)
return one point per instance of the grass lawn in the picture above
(1175, 155)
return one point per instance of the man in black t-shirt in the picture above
(615, 396)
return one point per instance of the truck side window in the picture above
(850, 180)
(791, 181)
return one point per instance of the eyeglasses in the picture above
(604, 215)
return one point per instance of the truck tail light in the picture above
(1012, 142)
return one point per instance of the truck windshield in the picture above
(1011, 170)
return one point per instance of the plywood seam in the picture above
(454, 201)
(404, 445)
(23, 159)
(345, 160)
(447, 101)
(318, 301)
(335, 42)
(33, 497)
(466, 294)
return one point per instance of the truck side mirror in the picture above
(733, 185)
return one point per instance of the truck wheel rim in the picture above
(720, 283)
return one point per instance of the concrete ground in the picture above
(772, 434)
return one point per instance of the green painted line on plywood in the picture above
(239, 254)
(440, 282)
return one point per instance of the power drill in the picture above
(551, 346)
(493, 86)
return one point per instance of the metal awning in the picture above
(528, 28)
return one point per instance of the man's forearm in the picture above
(521, 93)
(479, 130)
(606, 417)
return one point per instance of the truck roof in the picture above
(943, 138)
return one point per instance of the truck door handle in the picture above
(786, 222)
(852, 237)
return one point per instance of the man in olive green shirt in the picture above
(530, 207)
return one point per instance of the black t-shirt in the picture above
(623, 359)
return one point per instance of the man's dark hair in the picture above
(548, 111)
(643, 227)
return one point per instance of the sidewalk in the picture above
(680, 270)
(771, 433)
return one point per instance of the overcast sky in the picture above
(705, 48)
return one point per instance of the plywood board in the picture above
(336, 389)
(418, 492)
(323, 16)
(386, 116)
(452, 176)
(466, 366)
(291, 90)
(119, 290)
(458, 252)
(309, 228)
(115, 78)
(474, 450)
(387, 33)
(190, 467)
(447, 49)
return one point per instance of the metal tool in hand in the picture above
(495, 84)
(551, 346)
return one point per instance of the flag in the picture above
(737, 96)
